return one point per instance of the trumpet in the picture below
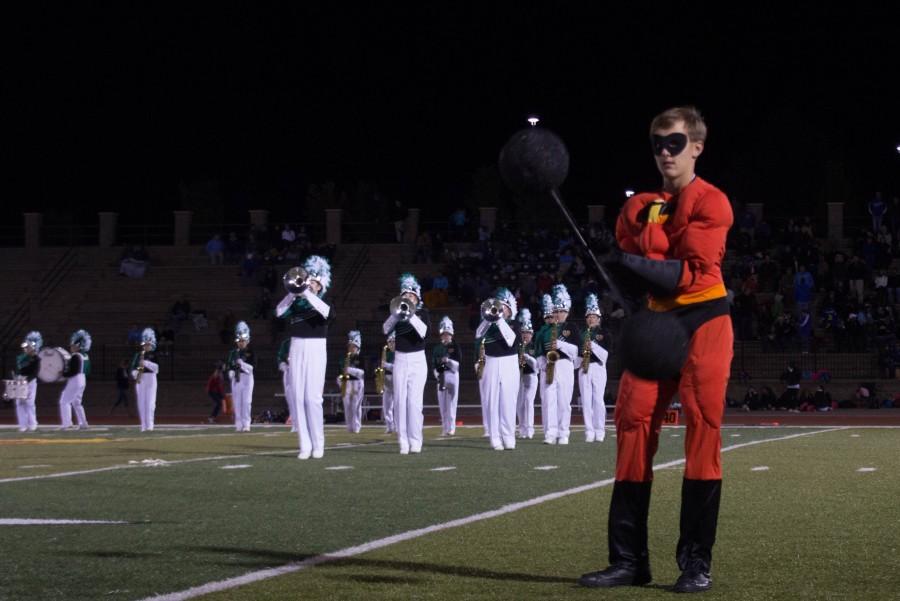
(140, 366)
(402, 307)
(586, 352)
(442, 378)
(479, 367)
(345, 375)
(296, 280)
(491, 309)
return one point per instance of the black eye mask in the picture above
(674, 143)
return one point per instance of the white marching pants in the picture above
(308, 360)
(499, 387)
(447, 400)
(353, 402)
(528, 385)
(25, 409)
(289, 397)
(556, 401)
(593, 386)
(410, 373)
(145, 391)
(242, 395)
(70, 399)
(387, 403)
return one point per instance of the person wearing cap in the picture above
(76, 372)
(350, 367)
(28, 364)
(556, 395)
(282, 358)
(445, 359)
(410, 365)
(239, 364)
(528, 379)
(592, 378)
(387, 394)
(308, 316)
(498, 338)
(144, 368)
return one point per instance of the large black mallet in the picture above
(653, 345)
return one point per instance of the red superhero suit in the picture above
(689, 228)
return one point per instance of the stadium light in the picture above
(534, 120)
(629, 193)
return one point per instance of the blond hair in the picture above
(693, 121)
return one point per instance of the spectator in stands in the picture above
(441, 286)
(804, 330)
(180, 312)
(437, 249)
(458, 224)
(423, 248)
(263, 307)
(248, 268)
(233, 248)
(215, 248)
(857, 273)
(804, 286)
(288, 235)
(215, 388)
(790, 397)
(877, 209)
(398, 216)
(134, 335)
(134, 262)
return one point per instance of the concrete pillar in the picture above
(756, 208)
(33, 223)
(835, 220)
(411, 227)
(596, 213)
(108, 223)
(259, 218)
(332, 226)
(183, 227)
(488, 217)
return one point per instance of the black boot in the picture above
(629, 559)
(699, 518)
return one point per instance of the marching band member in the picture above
(284, 366)
(387, 394)
(445, 359)
(240, 364)
(554, 345)
(498, 367)
(27, 366)
(307, 317)
(76, 372)
(528, 379)
(410, 321)
(592, 373)
(143, 371)
(352, 382)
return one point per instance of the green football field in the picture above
(206, 512)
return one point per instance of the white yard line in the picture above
(290, 568)
(113, 468)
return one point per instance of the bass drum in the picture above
(53, 364)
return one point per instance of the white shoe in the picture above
(589, 437)
(563, 440)
(22, 429)
(549, 441)
(303, 455)
(451, 433)
(412, 450)
(498, 447)
(404, 451)
(318, 454)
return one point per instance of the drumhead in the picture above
(53, 363)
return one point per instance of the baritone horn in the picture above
(296, 280)
(402, 307)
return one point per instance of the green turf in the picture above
(192, 523)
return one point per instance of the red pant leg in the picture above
(640, 408)
(702, 389)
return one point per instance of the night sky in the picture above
(122, 107)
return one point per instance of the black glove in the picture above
(636, 275)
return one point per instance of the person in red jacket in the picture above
(673, 240)
(215, 388)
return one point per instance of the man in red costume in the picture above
(673, 241)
